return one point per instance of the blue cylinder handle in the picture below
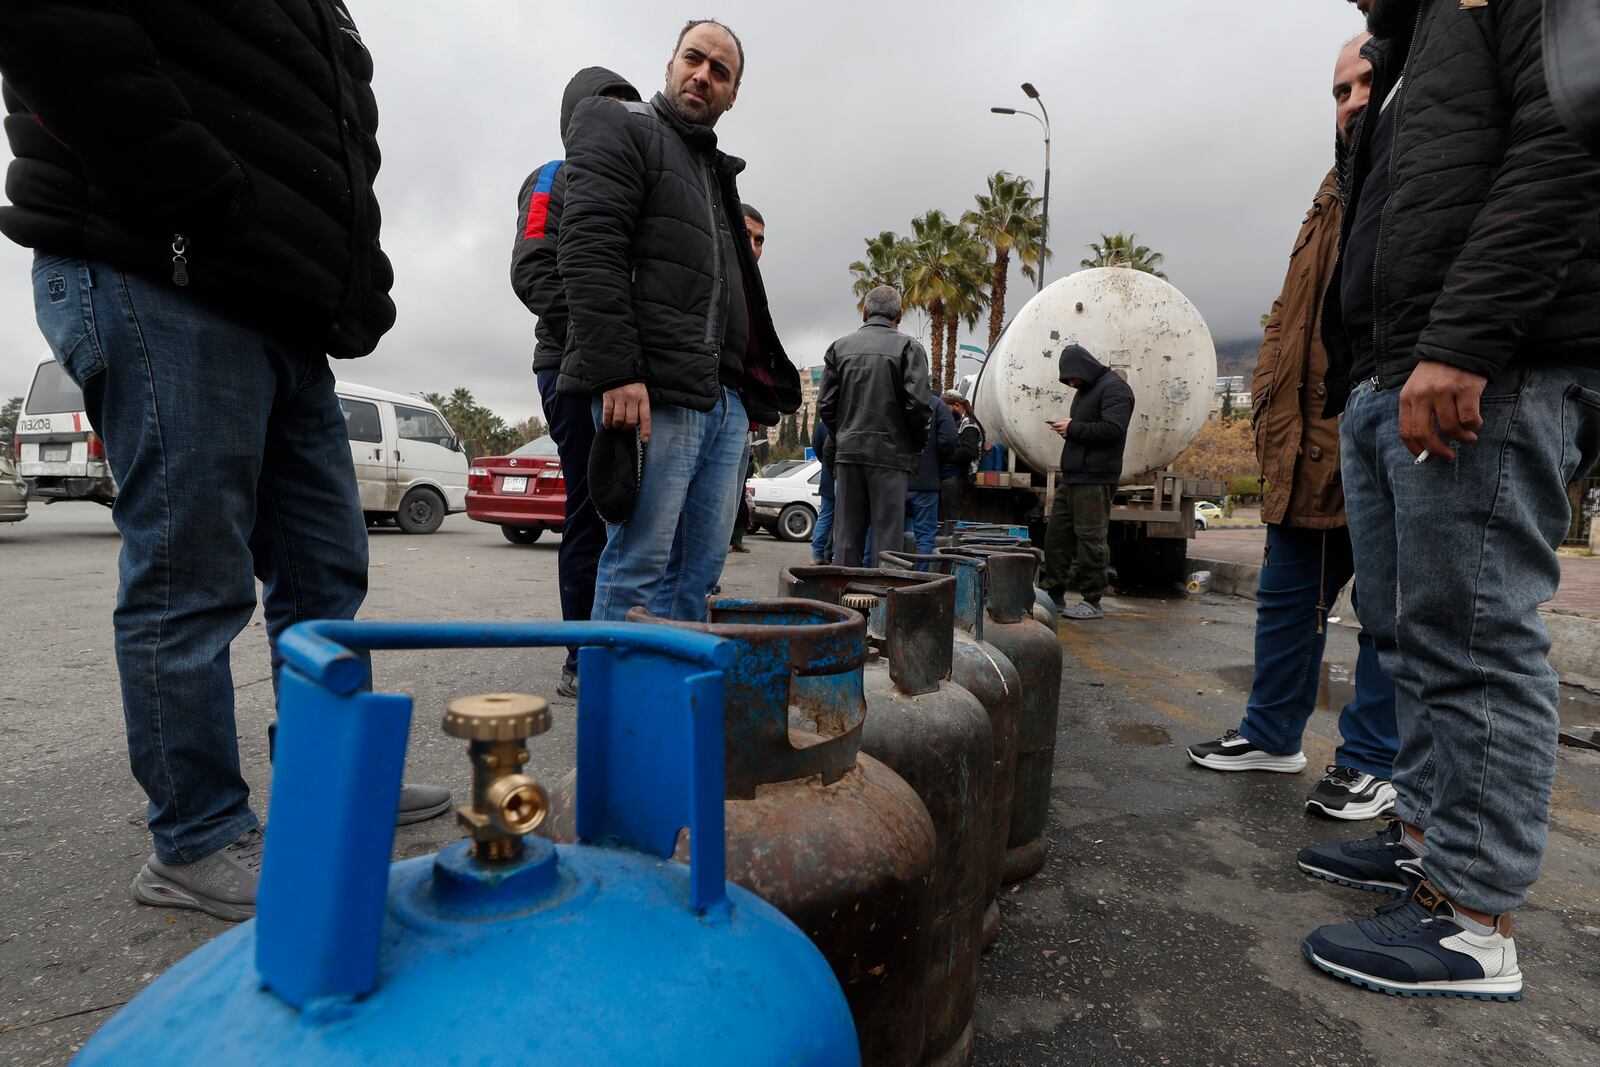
(650, 762)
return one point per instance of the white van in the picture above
(409, 465)
(57, 453)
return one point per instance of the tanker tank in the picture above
(1135, 323)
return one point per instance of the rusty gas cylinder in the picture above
(1035, 651)
(990, 538)
(832, 837)
(936, 735)
(986, 673)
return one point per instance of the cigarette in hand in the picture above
(1422, 458)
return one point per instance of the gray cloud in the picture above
(1205, 128)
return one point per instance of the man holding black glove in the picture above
(670, 336)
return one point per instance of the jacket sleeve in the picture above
(91, 75)
(1543, 209)
(916, 402)
(969, 442)
(819, 443)
(604, 195)
(535, 278)
(945, 434)
(828, 391)
(1116, 411)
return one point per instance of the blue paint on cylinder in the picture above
(603, 952)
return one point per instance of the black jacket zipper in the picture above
(1399, 91)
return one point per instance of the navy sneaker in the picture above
(1417, 947)
(1379, 864)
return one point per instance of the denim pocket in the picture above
(63, 305)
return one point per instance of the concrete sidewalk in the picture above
(1233, 556)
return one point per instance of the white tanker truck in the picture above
(1149, 333)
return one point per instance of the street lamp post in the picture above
(1044, 226)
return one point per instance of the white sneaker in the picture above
(1231, 752)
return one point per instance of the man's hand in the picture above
(1060, 426)
(1439, 407)
(626, 406)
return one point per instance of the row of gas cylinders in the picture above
(880, 741)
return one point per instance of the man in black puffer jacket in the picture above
(536, 279)
(669, 331)
(1077, 554)
(196, 183)
(1463, 333)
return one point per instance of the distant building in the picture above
(810, 386)
(1235, 388)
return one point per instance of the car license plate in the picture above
(55, 453)
(513, 485)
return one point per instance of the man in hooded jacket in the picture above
(1076, 552)
(536, 279)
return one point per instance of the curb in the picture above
(1574, 639)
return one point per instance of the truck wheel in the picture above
(522, 535)
(421, 511)
(796, 522)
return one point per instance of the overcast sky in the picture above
(1203, 127)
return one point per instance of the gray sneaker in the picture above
(568, 686)
(222, 884)
(1084, 609)
(419, 803)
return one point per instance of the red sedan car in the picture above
(522, 493)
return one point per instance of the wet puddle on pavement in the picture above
(1139, 734)
(1337, 689)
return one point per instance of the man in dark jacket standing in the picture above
(822, 536)
(956, 472)
(874, 399)
(1463, 335)
(922, 490)
(1076, 552)
(205, 235)
(536, 279)
(1308, 559)
(670, 335)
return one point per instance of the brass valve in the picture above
(505, 802)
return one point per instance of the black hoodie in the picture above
(1101, 411)
(534, 275)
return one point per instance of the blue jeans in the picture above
(822, 536)
(670, 553)
(1303, 568)
(924, 505)
(232, 462)
(583, 535)
(1453, 559)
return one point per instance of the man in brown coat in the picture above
(1308, 558)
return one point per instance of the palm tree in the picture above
(967, 298)
(932, 274)
(1007, 220)
(885, 264)
(1123, 250)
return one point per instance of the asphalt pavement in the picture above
(1164, 928)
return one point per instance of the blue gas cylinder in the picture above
(503, 948)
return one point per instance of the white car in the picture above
(409, 464)
(788, 504)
